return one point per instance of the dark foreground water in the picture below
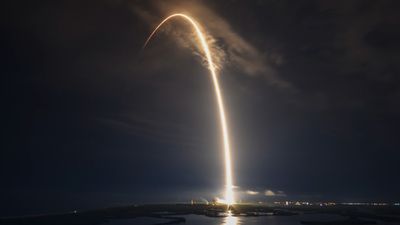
(204, 220)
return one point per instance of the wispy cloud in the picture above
(270, 193)
(266, 192)
(250, 192)
(235, 51)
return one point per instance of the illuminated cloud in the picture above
(250, 192)
(235, 51)
(271, 193)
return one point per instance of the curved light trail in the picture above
(229, 196)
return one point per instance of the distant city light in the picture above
(327, 204)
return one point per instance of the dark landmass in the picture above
(173, 214)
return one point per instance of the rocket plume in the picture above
(229, 196)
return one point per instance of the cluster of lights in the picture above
(303, 203)
(367, 203)
(299, 203)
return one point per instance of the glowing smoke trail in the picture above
(229, 197)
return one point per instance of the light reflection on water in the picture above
(231, 220)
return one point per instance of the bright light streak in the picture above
(229, 196)
(230, 219)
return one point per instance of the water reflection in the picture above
(231, 220)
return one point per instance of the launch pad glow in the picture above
(229, 196)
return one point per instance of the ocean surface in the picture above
(230, 220)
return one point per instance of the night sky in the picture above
(89, 120)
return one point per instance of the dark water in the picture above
(203, 220)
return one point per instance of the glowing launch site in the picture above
(200, 112)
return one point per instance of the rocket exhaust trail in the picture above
(229, 196)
